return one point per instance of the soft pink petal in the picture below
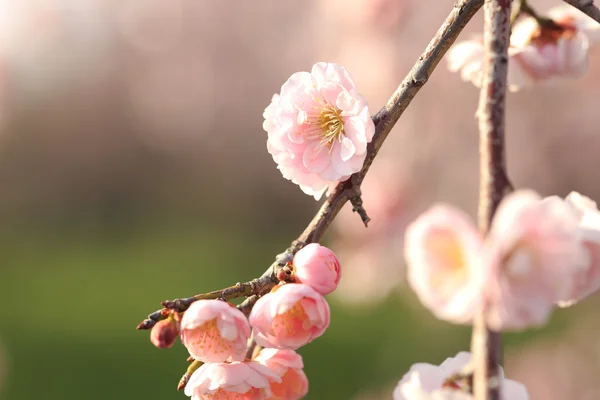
(323, 72)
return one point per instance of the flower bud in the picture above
(287, 364)
(290, 317)
(165, 332)
(317, 267)
(215, 331)
(231, 381)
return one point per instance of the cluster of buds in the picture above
(254, 358)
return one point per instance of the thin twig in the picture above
(384, 121)
(188, 374)
(587, 7)
(494, 184)
(246, 306)
(544, 22)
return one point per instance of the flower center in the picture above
(324, 124)
(331, 125)
(519, 261)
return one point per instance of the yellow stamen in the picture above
(324, 124)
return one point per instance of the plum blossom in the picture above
(215, 331)
(587, 280)
(318, 128)
(428, 382)
(288, 365)
(540, 51)
(231, 381)
(317, 267)
(534, 252)
(441, 249)
(534, 256)
(289, 317)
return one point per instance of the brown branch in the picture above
(486, 345)
(587, 7)
(384, 121)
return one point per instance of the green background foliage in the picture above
(71, 302)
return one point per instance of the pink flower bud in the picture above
(236, 381)
(287, 364)
(426, 382)
(164, 333)
(215, 331)
(289, 317)
(317, 267)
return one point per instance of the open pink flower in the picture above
(287, 364)
(534, 252)
(318, 128)
(290, 317)
(318, 267)
(236, 381)
(535, 255)
(441, 249)
(587, 280)
(215, 331)
(427, 382)
(536, 53)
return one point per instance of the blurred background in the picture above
(133, 169)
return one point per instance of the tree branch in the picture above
(494, 183)
(587, 7)
(384, 121)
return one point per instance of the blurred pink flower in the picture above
(587, 281)
(318, 267)
(288, 365)
(289, 317)
(427, 382)
(536, 53)
(236, 381)
(534, 253)
(532, 258)
(467, 57)
(367, 14)
(441, 248)
(215, 331)
(318, 128)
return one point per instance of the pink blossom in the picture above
(287, 364)
(587, 280)
(427, 382)
(318, 128)
(533, 252)
(467, 57)
(318, 267)
(289, 317)
(441, 249)
(235, 381)
(536, 53)
(215, 331)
